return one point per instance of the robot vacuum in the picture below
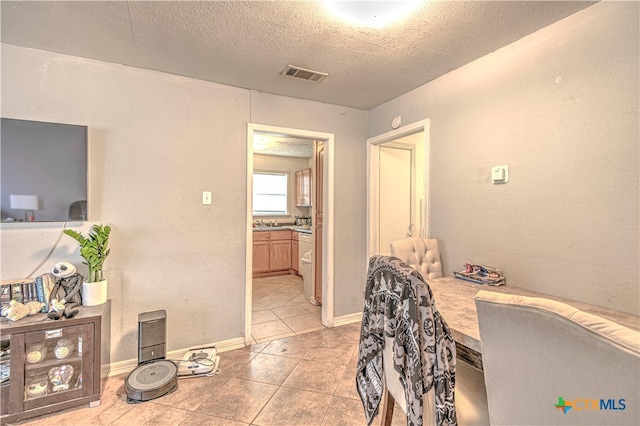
(151, 380)
(154, 376)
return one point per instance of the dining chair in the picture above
(546, 362)
(422, 254)
(405, 348)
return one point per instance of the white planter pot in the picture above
(94, 293)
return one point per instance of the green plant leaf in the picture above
(93, 248)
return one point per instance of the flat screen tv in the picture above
(43, 171)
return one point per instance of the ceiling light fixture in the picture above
(374, 14)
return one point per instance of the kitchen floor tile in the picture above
(281, 298)
(289, 311)
(258, 317)
(302, 322)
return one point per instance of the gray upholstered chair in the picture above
(422, 254)
(546, 362)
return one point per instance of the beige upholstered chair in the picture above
(421, 254)
(546, 362)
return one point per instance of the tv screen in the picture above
(43, 171)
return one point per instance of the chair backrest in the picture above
(78, 210)
(546, 362)
(422, 254)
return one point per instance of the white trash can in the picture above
(305, 265)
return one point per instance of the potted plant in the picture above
(94, 250)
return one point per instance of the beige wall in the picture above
(560, 107)
(156, 142)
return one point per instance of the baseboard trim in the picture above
(347, 319)
(125, 367)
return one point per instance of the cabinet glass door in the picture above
(5, 367)
(53, 365)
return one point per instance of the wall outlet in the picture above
(500, 174)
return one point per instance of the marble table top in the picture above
(454, 300)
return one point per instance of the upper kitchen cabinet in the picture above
(303, 188)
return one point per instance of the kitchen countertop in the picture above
(296, 228)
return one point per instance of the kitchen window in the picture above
(270, 195)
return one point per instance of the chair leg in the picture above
(387, 403)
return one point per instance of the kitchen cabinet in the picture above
(280, 255)
(260, 252)
(303, 188)
(54, 365)
(271, 252)
(280, 250)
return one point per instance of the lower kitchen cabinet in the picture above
(280, 255)
(271, 253)
(260, 252)
(50, 365)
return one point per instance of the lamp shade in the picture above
(25, 202)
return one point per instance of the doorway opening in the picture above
(320, 213)
(398, 186)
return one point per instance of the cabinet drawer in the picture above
(280, 235)
(261, 236)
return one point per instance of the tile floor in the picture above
(300, 380)
(280, 309)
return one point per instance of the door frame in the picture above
(327, 234)
(373, 182)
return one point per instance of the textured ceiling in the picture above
(248, 44)
(282, 145)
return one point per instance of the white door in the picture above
(398, 186)
(396, 195)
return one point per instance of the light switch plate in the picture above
(500, 174)
(206, 197)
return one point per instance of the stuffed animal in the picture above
(17, 310)
(65, 296)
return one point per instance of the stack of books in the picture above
(25, 291)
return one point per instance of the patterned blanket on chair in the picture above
(399, 304)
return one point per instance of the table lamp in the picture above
(28, 203)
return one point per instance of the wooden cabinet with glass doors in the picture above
(50, 365)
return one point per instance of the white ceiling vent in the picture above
(303, 74)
